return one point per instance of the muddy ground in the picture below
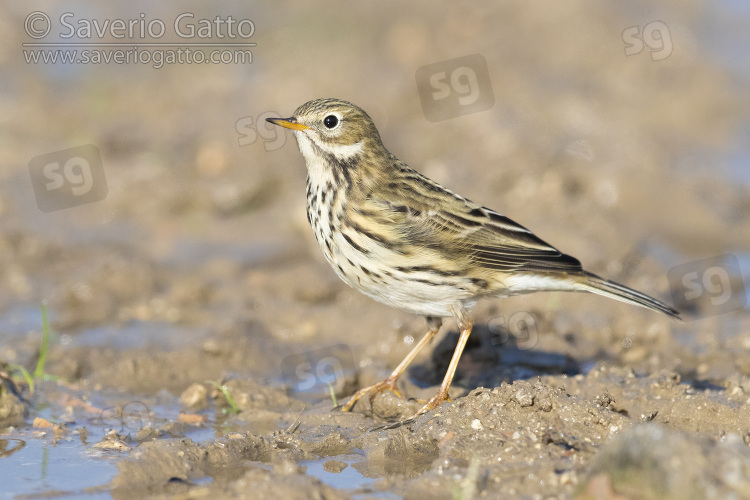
(198, 270)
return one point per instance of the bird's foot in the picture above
(388, 384)
(438, 399)
(435, 401)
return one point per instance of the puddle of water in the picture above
(66, 467)
(34, 465)
(20, 320)
(724, 34)
(349, 479)
(313, 374)
(137, 334)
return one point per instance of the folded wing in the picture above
(460, 229)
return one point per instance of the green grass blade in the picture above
(233, 408)
(39, 372)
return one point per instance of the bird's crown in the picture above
(336, 122)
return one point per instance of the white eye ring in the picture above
(332, 121)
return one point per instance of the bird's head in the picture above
(333, 130)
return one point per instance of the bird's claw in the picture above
(433, 403)
(386, 385)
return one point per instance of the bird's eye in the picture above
(330, 121)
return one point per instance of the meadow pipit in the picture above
(406, 241)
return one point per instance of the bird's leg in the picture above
(390, 383)
(465, 324)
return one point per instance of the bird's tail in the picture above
(601, 286)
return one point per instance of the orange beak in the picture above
(287, 123)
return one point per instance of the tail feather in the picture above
(616, 291)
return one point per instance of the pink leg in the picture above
(390, 382)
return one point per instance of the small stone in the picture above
(287, 468)
(191, 418)
(523, 398)
(335, 466)
(194, 396)
(115, 445)
(146, 434)
(41, 423)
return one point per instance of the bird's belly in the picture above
(376, 275)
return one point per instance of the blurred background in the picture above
(619, 134)
(164, 221)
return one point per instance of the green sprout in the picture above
(25, 374)
(233, 408)
(39, 372)
(333, 394)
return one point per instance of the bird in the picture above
(406, 241)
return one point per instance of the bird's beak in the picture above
(287, 123)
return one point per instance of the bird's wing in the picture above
(437, 219)
(500, 243)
